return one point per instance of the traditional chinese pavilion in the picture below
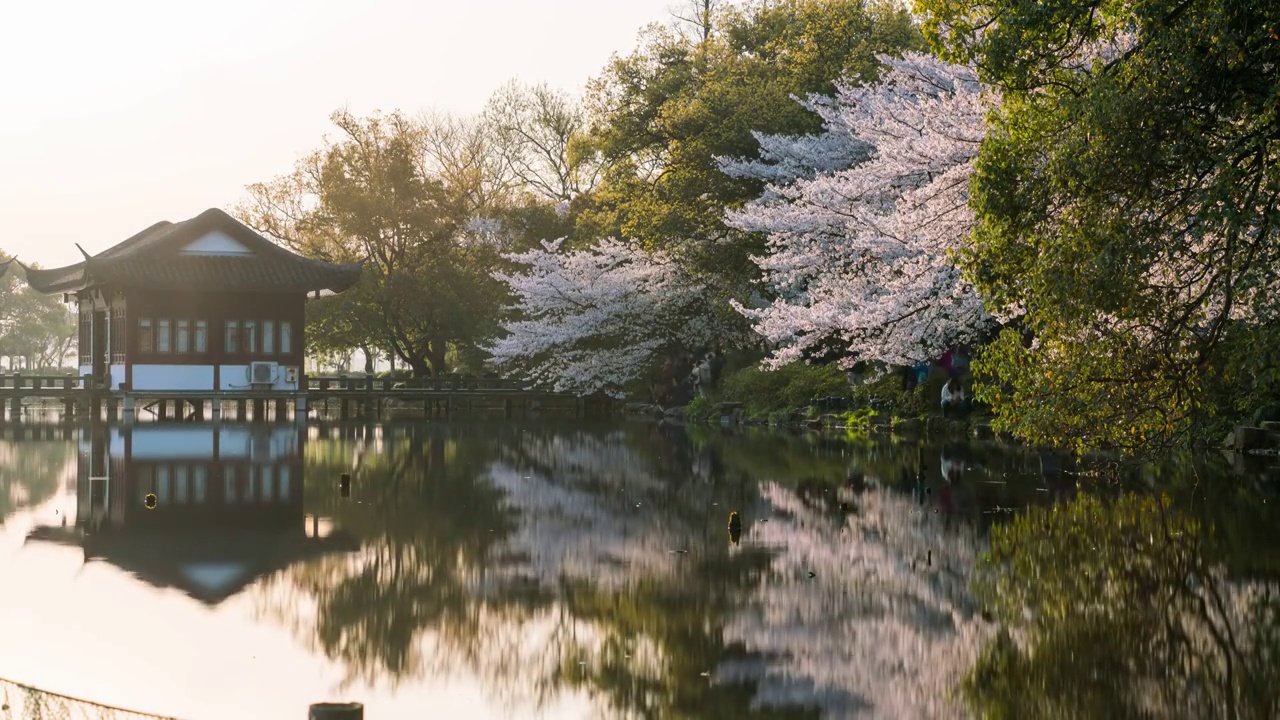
(205, 304)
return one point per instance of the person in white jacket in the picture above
(952, 398)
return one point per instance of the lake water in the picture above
(503, 570)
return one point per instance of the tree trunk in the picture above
(419, 368)
(368, 359)
(435, 357)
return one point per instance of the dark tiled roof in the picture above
(225, 273)
(159, 558)
(151, 259)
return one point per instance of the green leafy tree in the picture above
(410, 197)
(1127, 204)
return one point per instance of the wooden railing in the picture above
(439, 384)
(18, 381)
(319, 383)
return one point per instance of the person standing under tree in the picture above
(952, 398)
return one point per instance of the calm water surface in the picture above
(508, 570)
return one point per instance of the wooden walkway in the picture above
(345, 397)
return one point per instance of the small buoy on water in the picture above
(344, 485)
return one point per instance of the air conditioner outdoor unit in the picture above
(262, 373)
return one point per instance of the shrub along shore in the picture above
(818, 397)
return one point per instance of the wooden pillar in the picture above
(197, 409)
(242, 410)
(259, 409)
(162, 413)
(68, 408)
(282, 409)
(344, 410)
(111, 408)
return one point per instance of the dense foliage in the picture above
(1126, 198)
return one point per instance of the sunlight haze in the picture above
(117, 115)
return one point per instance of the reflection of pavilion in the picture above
(228, 505)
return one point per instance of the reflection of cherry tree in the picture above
(595, 508)
(885, 626)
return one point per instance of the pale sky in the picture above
(115, 115)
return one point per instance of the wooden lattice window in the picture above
(85, 340)
(146, 338)
(118, 335)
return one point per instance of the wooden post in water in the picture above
(336, 711)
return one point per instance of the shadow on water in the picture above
(556, 558)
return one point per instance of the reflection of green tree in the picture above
(427, 529)
(30, 472)
(1128, 617)
(682, 622)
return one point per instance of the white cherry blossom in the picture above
(863, 221)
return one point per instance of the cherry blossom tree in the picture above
(597, 318)
(864, 219)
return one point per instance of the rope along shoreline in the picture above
(18, 702)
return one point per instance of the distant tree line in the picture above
(37, 332)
